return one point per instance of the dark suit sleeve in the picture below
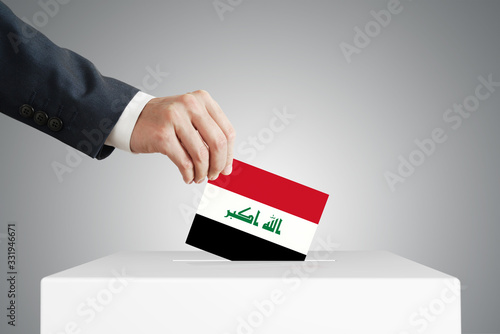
(55, 90)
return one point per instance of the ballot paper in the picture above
(256, 215)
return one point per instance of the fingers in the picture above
(217, 145)
(220, 135)
(228, 130)
(196, 148)
(191, 130)
(176, 152)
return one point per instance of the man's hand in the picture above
(191, 130)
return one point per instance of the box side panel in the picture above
(289, 304)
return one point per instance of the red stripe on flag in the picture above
(274, 190)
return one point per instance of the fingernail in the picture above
(213, 178)
(190, 182)
(228, 170)
(200, 181)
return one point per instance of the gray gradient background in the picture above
(352, 122)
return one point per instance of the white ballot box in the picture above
(198, 293)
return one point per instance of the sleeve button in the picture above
(55, 124)
(26, 111)
(40, 118)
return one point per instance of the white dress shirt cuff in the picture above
(120, 136)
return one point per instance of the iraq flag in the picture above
(256, 215)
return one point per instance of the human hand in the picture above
(192, 130)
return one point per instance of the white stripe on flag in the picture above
(296, 233)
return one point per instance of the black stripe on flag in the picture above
(236, 245)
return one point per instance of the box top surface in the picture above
(168, 265)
